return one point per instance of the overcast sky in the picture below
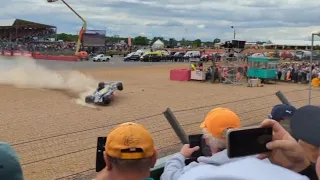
(205, 19)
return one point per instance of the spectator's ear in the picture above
(154, 158)
(107, 160)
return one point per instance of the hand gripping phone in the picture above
(248, 141)
(100, 163)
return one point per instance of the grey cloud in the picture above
(154, 17)
(254, 15)
(166, 24)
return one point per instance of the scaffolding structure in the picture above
(232, 63)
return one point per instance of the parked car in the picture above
(152, 57)
(134, 57)
(101, 57)
(128, 56)
(302, 55)
(178, 56)
(287, 55)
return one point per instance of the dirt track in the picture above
(55, 137)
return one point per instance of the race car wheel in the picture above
(88, 99)
(106, 100)
(120, 86)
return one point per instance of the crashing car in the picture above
(104, 93)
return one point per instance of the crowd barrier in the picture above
(57, 58)
(38, 55)
(15, 53)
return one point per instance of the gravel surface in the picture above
(55, 137)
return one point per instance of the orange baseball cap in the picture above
(220, 119)
(130, 141)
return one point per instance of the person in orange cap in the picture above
(214, 127)
(129, 153)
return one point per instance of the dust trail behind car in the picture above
(26, 73)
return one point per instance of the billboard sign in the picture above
(94, 38)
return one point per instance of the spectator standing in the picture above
(129, 153)
(286, 152)
(305, 125)
(282, 114)
(253, 169)
(215, 126)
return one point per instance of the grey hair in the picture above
(213, 141)
(131, 165)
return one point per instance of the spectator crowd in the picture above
(38, 46)
(130, 151)
(298, 72)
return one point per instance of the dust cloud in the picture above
(26, 73)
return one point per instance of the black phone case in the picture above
(100, 163)
(195, 140)
(248, 142)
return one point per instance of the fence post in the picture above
(282, 98)
(176, 126)
(214, 57)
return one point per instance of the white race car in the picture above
(104, 93)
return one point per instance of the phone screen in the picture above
(100, 163)
(246, 142)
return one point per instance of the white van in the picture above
(192, 54)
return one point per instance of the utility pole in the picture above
(234, 32)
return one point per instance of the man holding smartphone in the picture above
(283, 113)
(284, 151)
(215, 126)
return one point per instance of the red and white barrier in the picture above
(180, 75)
(27, 53)
(17, 53)
(57, 58)
(7, 53)
(37, 55)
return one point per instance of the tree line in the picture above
(144, 41)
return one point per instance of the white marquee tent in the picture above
(158, 44)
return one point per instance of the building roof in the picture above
(7, 23)
(292, 42)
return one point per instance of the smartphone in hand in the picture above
(100, 163)
(248, 141)
(195, 140)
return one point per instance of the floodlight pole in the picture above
(83, 29)
(234, 32)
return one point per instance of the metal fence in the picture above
(78, 160)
